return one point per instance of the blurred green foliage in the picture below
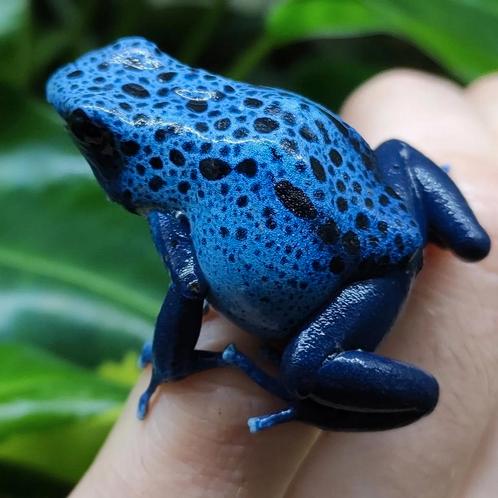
(79, 279)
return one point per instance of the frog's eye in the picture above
(97, 144)
(84, 129)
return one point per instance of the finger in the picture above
(433, 115)
(195, 440)
(483, 95)
(482, 479)
(449, 325)
(429, 111)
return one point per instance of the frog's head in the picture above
(105, 97)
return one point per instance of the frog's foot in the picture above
(362, 391)
(334, 385)
(232, 356)
(146, 355)
(358, 391)
(202, 360)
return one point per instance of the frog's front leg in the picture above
(333, 378)
(179, 321)
(146, 353)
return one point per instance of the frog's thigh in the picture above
(342, 384)
(448, 217)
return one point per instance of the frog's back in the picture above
(279, 148)
(285, 200)
(291, 205)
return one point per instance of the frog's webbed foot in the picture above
(331, 383)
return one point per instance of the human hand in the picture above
(195, 441)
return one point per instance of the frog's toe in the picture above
(146, 355)
(230, 354)
(257, 424)
(143, 402)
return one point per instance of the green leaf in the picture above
(40, 391)
(81, 329)
(123, 372)
(46, 400)
(440, 28)
(64, 452)
(297, 19)
(34, 148)
(15, 41)
(80, 275)
(12, 15)
(80, 281)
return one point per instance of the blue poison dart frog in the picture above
(280, 215)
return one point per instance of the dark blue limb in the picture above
(179, 321)
(257, 424)
(366, 382)
(357, 318)
(448, 219)
(146, 353)
(338, 386)
(231, 356)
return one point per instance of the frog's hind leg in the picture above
(334, 378)
(443, 211)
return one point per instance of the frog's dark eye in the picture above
(96, 142)
(82, 127)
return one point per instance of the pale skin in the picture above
(195, 441)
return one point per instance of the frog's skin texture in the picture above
(281, 216)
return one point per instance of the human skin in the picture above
(195, 440)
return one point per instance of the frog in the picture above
(276, 212)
